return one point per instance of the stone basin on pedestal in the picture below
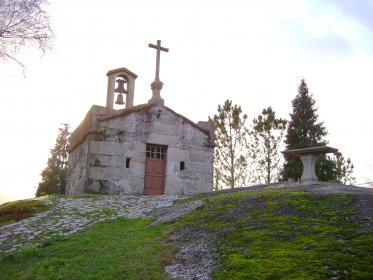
(309, 157)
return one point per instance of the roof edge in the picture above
(122, 69)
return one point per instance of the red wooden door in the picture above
(155, 166)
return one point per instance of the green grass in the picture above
(261, 234)
(20, 209)
(282, 234)
(121, 249)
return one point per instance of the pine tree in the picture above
(347, 169)
(265, 139)
(54, 175)
(335, 169)
(230, 152)
(303, 131)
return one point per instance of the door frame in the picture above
(155, 169)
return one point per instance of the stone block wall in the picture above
(197, 175)
(116, 158)
(77, 172)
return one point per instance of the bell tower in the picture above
(121, 81)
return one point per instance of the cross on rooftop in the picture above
(159, 48)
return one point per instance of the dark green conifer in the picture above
(54, 175)
(303, 131)
(306, 131)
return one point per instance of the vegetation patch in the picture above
(121, 249)
(284, 234)
(21, 209)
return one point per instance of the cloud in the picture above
(328, 28)
(326, 43)
(360, 11)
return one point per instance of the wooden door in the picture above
(155, 167)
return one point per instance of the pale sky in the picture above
(252, 52)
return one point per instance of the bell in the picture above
(120, 88)
(119, 99)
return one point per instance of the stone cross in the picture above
(159, 49)
(157, 85)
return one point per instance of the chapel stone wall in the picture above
(77, 172)
(117, 153)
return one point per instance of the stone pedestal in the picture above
(309, 162)
(156, 99)
(309, 157)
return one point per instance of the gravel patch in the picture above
(70, 215)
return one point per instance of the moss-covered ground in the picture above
(259, 234)
(284, 234)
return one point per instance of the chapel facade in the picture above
(145, 149)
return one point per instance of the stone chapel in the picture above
(144, 149)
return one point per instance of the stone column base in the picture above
(309, 161)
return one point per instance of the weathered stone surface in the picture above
(155, 138)
(162, 129)
(122, 139)
(175, 212)
(201, 156)
(71, 215)
(107, 173)
(198, 167)
(103, 187)
(137, 168)
(177, 154)
(174, 186)
(105, 160)
(107, 148)
(167, 119)
(77, 172)
(172, 168)
(192, 187)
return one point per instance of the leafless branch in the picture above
(23, 23)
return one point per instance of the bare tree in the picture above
(23, 23)
(264, 144)
(230, 152)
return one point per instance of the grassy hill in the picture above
(277, 232)
(283, 233)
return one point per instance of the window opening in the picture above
(128, 160)
(150, 151)
(153, 151)
(182, 165)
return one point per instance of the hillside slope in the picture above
(281, 231)
(320, 231)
